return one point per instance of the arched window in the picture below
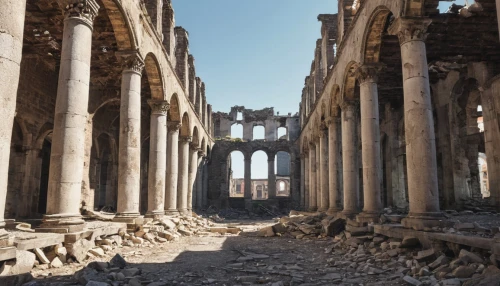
(237, 131)
(259, 175)
(259, 133)
(239, 116)
(282, 133)
(236, 174)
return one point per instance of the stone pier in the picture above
(323, 171)
(313, 206)
(333, 163)
(183, 185)
(350, 158)
(172, 168)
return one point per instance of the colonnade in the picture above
(175, 166)
(324, 179)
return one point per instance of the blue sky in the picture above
(254, 53)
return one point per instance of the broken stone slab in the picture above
(118, 261)
(224, 230)
(266, 232)
(26, 227)
(56, 263)
(99, 252)
(185, 232)
(24, 262)
(464, 271)
(168, 223)
(441, 260)
(80, 248)
(41, 256)
(7, 239)
(280, 228)
(333, 227)
(470, 257)
(98, 265)
(409, 241)
(426, 255)
(412, 281)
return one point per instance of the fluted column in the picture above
(307, 177)
(157, 158)
(172, 168)
(313, 203)
(323, 171)
(11, 45)
(199, 180)
(419, 124)
(333, 124)
(370, 142)
(70, 118)
(193, 167)
(302, 181)
(271, 178)
(182, 188)
(350, 158)
(129, 152)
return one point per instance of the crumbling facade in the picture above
(281, 188)
(102, 109)
(402, 112)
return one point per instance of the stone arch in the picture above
(196, 138)
(185, 128)
(349, 83)
(334, 107)
(45, 130)
(125, 37)
(372, 39)
(174, 113)
(155, 76)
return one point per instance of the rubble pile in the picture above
(149, 234)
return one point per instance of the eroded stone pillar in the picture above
(129, 151)
(157, 158)
(333, 124)
(323, 171)
(271, 178)
(318, 174)
(419, 124)
(302, 181)
(313, 203)
(199, 180)
(182, 188)
(172, 168)
(370, 142)
(70, 119)
(350, 158)
(205, 184)
(307, 177)
(193, 167)
(248, 179)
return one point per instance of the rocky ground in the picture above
(295, 251)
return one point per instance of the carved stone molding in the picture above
(173, 126)
(350, 105)
(159, 107)
(369, 72)
(410, 29)
(82, 9)
(185, 139)
(131, 61)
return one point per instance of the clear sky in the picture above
(254, 53)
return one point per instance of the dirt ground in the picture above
(243, 259)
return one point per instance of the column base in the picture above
(368, 217)
(425, 221)
(313, 209)
(349, 214)
(129, 218)
(322, 210)
(59, 223)
(155, 214)
(333, 210)
(171, 212)
(184, 212)
(2, 224)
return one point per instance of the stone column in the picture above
(333, 124)
(307, 186)
(182, 188)
(11, 45)
(193, 167)
(199, 180)
(248, 178)
(350, 158)
(313, 206)
(157, 158)
(419, 125)
(70, 118)
(302, 181)
(129, 153)
(172, 168)
(205, 184)
(323, 171)
(271, 178)
(370, 142)
(318, 174)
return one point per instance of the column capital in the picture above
(173, 126)
(159, 107)
(369, 72)
(131, 61)
(349, 105)
(410, 29)
(82, 9)
(186, 139)
(332, 120)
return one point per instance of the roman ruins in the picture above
(107, 133)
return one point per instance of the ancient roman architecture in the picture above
(102, 109)
(400, 110)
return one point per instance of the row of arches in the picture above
(259, 132)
